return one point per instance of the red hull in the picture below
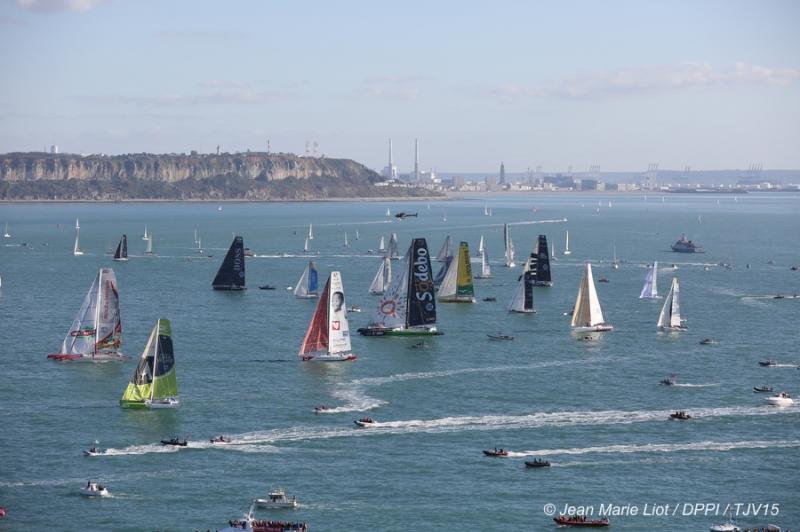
(589, 523)
(64, 357)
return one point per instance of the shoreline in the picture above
(232, 200)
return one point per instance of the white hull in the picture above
(266, 503)
(595, 328)
(95, 493)
(530, 311)
(341, 357)
(169, 402)
(780, 401)
(672, 329)
(94, 453)
(77, 253)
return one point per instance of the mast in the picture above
(97, 312)
(155, 363)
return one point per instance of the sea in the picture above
(593, 408)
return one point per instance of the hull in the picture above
(266, 503)
(169, 402)
(377, 331)
(671, 329)
(780, 401)
(602, 327)
(363, 424)
(543, 283)
(457, 299)
(526, 311)
(100, 357)
(230, 288)
(95, 493)
(330, 358)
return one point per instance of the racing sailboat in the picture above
(382, 245)
(587, 315)
(149, 248)
(146, 235)
(408, 306)
(96, 331)
(670, 318)
(305, 246)
(567, 251)
(311, 231)
(480, 246)
(382, 277)
(486, 270)
(154, 383)
(307, 286)
(76, 250)
(346, 243)
(445, 251)
(230, 275)
(523, 296)
(457, 285)
(539, 263)
(6, 234)
(509, 245)
(328, 336)
(650, 288)
(394, 254)
(121, 254)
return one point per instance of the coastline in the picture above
(232, 200)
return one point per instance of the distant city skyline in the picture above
(619, 85)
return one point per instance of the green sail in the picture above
(154, 377)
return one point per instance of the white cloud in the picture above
(650, 79)
(50, 6)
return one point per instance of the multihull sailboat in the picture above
(154, 383)
(383, 277)
(523, 297)
(121, 254)
(650, 288)
(486, 270)
(539, 263)
(670, 318)
(308, 284)
(457, 284)
(76, 250)
(587, 315)
(509, 246)
(96, 332)
(328, 336)
(230, 275)
(408, 307)
(445, 251)
(567, 251)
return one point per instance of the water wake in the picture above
(662, 448)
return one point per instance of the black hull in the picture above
(542, 283)
(230, 288)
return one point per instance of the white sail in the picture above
(307, 285)
(670, 317)
(480, 246)
(445, 251)
(486, 210)
(614, 263)
(149, 249)
(383, 277)
(311, 231)
(650, 288)
(519, 302)
(391, 312)
(6, 234)
(567, 251)
(509, 246)
(346, 243)
(486, 270)
(145, 236)
(356, 234)
(394, 254)
(338, 327)
(449, 287)
(587, 314)
(76, 250)
(305, 246)
(382, 245)
(97, 328)
(553, 251)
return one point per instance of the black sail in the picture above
(122, 249)
(230, 275)
(421, 296)
(529, 283)
(540, 263)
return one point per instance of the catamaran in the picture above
(383, 277)
(539, 263)
(154, 383)
(382, 245)
(230, 275)
(121, 254)
(650, 288)
(76, 250)
(509, 244)
(445, 251)
(328, 336)
(6, 234)
(587, 315)
(311, 231)
(567, 251)
(145, 236)
(149, 248)
(457, 284)
(523, 297)
(394, 254)
(486, 270)
(670, 318)
(96, 331)
(408, 306)
(307, 286)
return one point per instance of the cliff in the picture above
(257, 176)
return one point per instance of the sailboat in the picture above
(346, 243)
(76, 250)
(445, 251)
(567, 251)
(393, 252)
(96, 331)
(356, 234)
(523, 296)
(6, 234)
(539, 263)
(383, 277)
(388, 212)
(486, 270)
(486, 210)
(305, 246)
(670, 318)
(121, 254)
(382, 245)
(408, 307)
(230, 275)
(457, 285)
(553, 251)
(650, 288)
(149, 248)
(307, 286)
(480, 246)
(145, 236)
(328, 336)
(614, 263)
(587, 315)
(154, 383)
(509, 245)
(311, 231)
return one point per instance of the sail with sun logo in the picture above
(408, 307)
(328, 336)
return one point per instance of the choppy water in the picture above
(594, 409)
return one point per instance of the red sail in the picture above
(316, 338)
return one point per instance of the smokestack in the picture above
(416, 160)
(391, 159)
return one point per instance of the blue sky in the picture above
(710, 84)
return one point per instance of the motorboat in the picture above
(500, 336)
(536, 462)
(497, 453)
(708, 341)
(93, 451)
(684, 245)
(277, 499)
(94, 489)
(669, 381)
(320, 408)
(762, 389)
(489, 299)
(728, 526)
(266, 287)
(248, 523)
(580, 520)
(354, 308)
(767, 363)
(364, 422)
(175, 441)
(781, 399)
(219, 439)
(680, 415)
(602, 280)
(3, 511)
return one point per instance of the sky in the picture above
(556, 84)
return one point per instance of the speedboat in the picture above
(266, 287)
(489, 299)
(602, 280)
(500, 336)
(782, 399)
(93, 489)
(93, 451)
(729, 526)
(762, 389)
(2, 511)
(707, 341)
(364, 422)
(767, 363)
(681, 415)
(219, 439)
(175, 441)
(320, 408)
(669, 381)
(537, 463)
(580, 520)
(498, 453)
(354, 308)
(277, 499)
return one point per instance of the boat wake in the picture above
(687, 385)
(78, 481)
(662, 448)
(141, 449)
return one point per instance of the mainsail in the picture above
(382, 245)
(587, 314)
(480, 246)
(121, 254)
(77, 249)
(523, 296)
(670, 317)
(305, 246)
(567, 251)
(539, 263)
(394, 254)
(650, 288)
(328, 333)
(457, 285)
(486, 270)
(149, 249)
(346, 243)
(96, 331)
(308, 284)
(230, 275)
(509, 246)
(311, 231)
(445, 251)
(383, 277)
(154, 382)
